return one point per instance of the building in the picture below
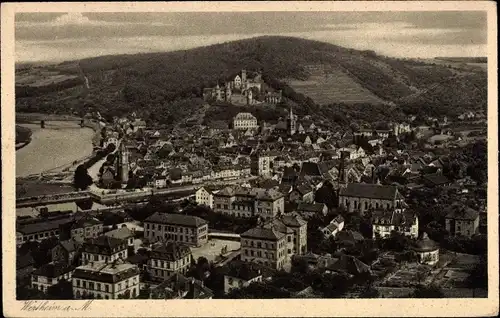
(462, 221)
(179, 286)
(264, 245)
(260, 165)
(103, 249)
(39, 229)
(123, 233)
(187, 229)
(50, 274)
(299, 229)
(204, 196)
(248, 202)
(361, 197)
(336, 225)
(244, 121)
(66, 251)
(384, 222)
(106, 280)
(308, 210)
(81, 228)
(427, 250)
(168, 258)
(241, 274)
(275, 242)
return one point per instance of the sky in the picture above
(57, 37)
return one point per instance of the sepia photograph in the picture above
(253, 154)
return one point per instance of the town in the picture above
(249, 209)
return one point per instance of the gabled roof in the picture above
(170, 251)
(371, 191)
(462, 213)
(349, 264)
(264, 233)
(104, 244)
(311, 207)
(53, 270)
(122, 233)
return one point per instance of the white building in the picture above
(427, 250)
(204, 196)
(50, 274)
(101, 280)
(244, 121)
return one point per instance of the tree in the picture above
(62, 290)
(82, 180)
(432, 291)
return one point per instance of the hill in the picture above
(167, 87)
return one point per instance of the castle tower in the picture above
(249, 97)
(124, 164)
(243, 77)
(292, 123)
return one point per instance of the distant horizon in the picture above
(255, 37)
(61, 37)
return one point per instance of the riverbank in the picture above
(59, 145)
(23, 136)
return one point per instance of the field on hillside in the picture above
(331, 85)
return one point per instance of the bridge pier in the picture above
(42, 124)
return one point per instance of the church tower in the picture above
(124, 164)
(343, 173)
(292, 122)
(228, 93)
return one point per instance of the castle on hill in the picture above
(243, 90)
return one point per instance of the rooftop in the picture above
(176, 219)
(371, 191)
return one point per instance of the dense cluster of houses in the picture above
(281, 167)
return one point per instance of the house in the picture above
(66, 251)
(106, 280)
(180, 228)
(274, 243)
(81, 228)
(427, 250)
(50, 274)
(348, 237)
(264, 245)
(245, 202)
(179, 286)
(435, 180)
(103, 248)
(241, 274)
(361, 197)
(167, 258)
(309, 210)
(204, 196)
(123, 233)
(39, 229)
(302, 193)
(335, 226)
(384, 222)
(462, 220)
(349, 265)
(138, 124)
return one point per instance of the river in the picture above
(58, 144)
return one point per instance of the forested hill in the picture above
(161, 84)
